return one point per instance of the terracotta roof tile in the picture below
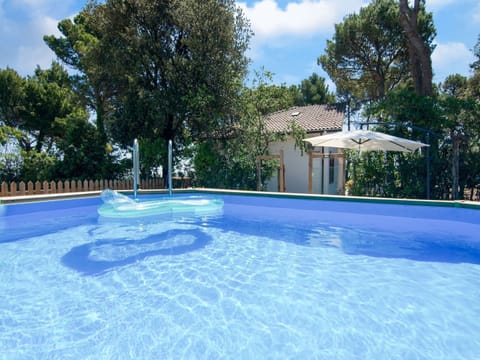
(312, 118)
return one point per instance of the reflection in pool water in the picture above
(107, 254)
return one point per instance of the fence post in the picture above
(13, 188)
(67, 186)
(46, 188)
(38, 188)
(59, 187)
(4, 189)
(30, 188)
(53, 187)
(21, 188)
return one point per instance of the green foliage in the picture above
(387, 174)
(79, 48)
(37, 166)
(315, 91)
(473, 85)
(7, 133)
(49, 130)
(48, 101)
(408, 115)
(368, 55)
(10, 165)
(448, 122)
(224, 164)
(231, 161)
(405, 107)
(12, 96)
(157, 70)
(153, 153)
(170, 71)
(80, 153)
(461, 126)
(264, 98)
(476, 52)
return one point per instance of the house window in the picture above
(331, 170)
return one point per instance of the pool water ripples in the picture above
(238, 287)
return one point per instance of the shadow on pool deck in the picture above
(172, 242)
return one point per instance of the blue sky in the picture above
(289, 34)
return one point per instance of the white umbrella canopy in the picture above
(365, 140)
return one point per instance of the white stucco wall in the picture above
(296, 171)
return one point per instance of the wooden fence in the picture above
(59, 187)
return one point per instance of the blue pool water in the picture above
(264, 278)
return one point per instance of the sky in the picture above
(289, 34)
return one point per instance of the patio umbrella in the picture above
(365, 140)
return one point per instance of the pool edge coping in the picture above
(419, 202)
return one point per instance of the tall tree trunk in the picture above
(419, 51)
(100, 122)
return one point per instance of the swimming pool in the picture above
(264, 278)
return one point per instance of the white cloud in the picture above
(283, 27)
(303, 18)
(36, 52)
(22, 47)
(451, 58)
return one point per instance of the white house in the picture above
(317, 171)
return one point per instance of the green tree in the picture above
(368, 54)
(403, 113)
(476, 52)
(473, 154)
(474, 81)
(36, 166)
(176, 67)
(12, 96)
(266, 97)
(11, 105)
(315, 91)
(229, 159)
(461, 126)
(48, 100)
(43, 125)
(79, 48)
(450, 120)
